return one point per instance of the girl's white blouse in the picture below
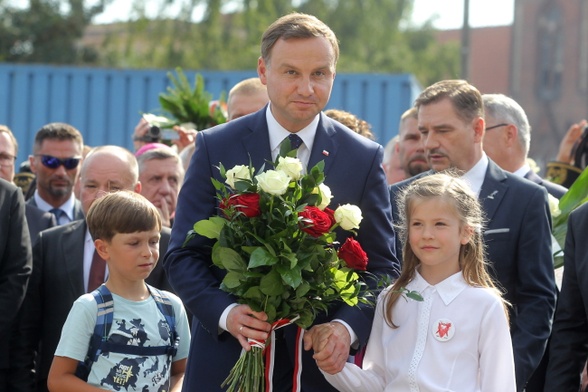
(457, 339)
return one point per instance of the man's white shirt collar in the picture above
(66, 207)
(278, 133)
(475, 176)
(522, 171)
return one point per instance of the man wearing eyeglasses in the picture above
(508, 137)
(57, 153)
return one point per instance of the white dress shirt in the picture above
(89, 249)
(278, 133)
(67, 208)
(423, 354)
(476, 175)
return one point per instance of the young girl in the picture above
(457, 338)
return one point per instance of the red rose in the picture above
(315, 222)
(331, 214)
(247, 203)
(353, 254)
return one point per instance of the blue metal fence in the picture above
(106, 104)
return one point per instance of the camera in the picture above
(160, 129)
(153, 134)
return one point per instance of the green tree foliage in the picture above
(375, 35)
(47, 31)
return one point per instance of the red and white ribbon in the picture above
(269, 352)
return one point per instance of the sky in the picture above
(447, 14)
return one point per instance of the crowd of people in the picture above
(94, 257)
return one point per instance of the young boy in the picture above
(125, 227)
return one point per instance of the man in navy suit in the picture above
(297, 64)
(518, 232)
(508, 137)
(569, 340)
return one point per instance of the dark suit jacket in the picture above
(569, 339)
(518, 243)
(57, 281)
(553, 189)
(354, 175)
(38, 220)
(78, 212)
(15, 262)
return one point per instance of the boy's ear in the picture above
(102, 248)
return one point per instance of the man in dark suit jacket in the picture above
(299, 76)
(518, 233)
(60, 271)
(38, 220)
(569, 339)
(15, 267)
(506, 141)
(508, 137)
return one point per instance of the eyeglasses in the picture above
(53, 163)
(7, 159)
(496, 126)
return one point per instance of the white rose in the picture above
(274, 182)
(553, 206)
(348, 216)
(239, 172)
(326, 196)
(290, 166)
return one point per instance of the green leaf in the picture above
(210, 228)
(232, 279)
(271, 284)
(230, 259)
(261, 257)
(292, 277)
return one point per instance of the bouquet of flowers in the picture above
(275, 238)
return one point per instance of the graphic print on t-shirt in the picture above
(129, 370)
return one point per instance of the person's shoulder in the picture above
(484, 296)
(397, 186)
(58, 231)
(239, 125)
(8, 187)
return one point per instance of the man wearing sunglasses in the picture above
(56, 158)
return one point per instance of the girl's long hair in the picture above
(467, 208)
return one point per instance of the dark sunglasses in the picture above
(54, 163)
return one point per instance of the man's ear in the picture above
(512, 137)
(479, 125)
(261, 70)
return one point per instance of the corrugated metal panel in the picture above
(105, 104)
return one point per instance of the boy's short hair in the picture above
(121, 212)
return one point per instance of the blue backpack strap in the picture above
(166, 308)
(103, 299)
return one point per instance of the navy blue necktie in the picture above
(58, 212)
(295, 141)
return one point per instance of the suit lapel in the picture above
(72, 246)
(493, 189)
(256, 143)
(324, 147)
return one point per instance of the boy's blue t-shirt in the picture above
(137, 323)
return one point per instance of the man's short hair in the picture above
(248, 86)
(294, 26)
(6, 130)
(121, 212)
(58, 131)
(466, 99)
(506, 109)
(160, 154)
